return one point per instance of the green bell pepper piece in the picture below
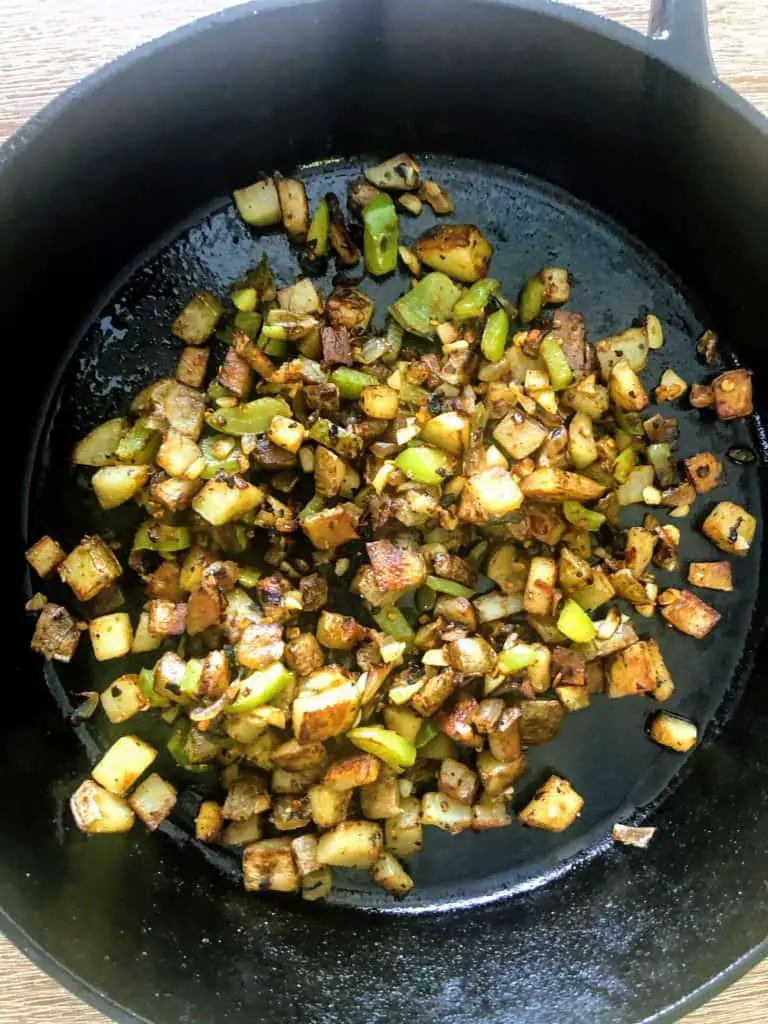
(581, 517)
(319, 230)
(177, 748)
(351, 382)
(139, 445)
(146, 681)
(389, 746)
(380, 236)
(474, 300)
(558, 368)
(162, 537)
(426, 733)
(495, 334)
(426, 599)
(249, 323)
(531, 300)
(260, 687)
(515, 658)
(424, 465)
(441, 586)
(251, 418)
(391, 620)
(574, 623)
(428, 304)
(213, 465)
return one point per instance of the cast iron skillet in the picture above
(512, 926)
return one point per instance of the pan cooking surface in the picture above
(603, 750)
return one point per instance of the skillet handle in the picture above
(678, 31)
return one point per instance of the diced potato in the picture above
(628, 587)
(89, 568)
(259, 204)
(457, 781)
(197, 321)
(712, 575)
(588, 397)
(630, 672)
(705, 471)
(559, 485)
(730, 528)
(448, 431)
(626, 388)
(489, 495)
(582, 448)
(123, 699)
(352, 844)
(436, 197)
(327, 805)
(286, 433)
(504, 739)
(166, 618)
(396, 566)
(403, 721)
(403, 834)
(153, 800)
(300, 297)
(127, 759)
(268, 865)
(221, 501)
(400, 174)
(318, 716)
(331, 527)
(496, 605)
(295, 756)
(599, 592)
(688, 613)
(445, 812)
(519, 435)
(433, 694)
(573, 698)
(490, 813)
(111, 636)
(631, 345)
(539, 674)
(380, 402)
(290, 783)
(289, 813)
(381, 799)
(352, 771)
(557, 288)
(294, 207)
(555, 806)
(246, 796)
(472, 656)
(507, 569)
(638, 551)
(459, 250)
(732, 393)
(242, 833)
(98, 447)
(304, 655)
(631, 835)
(540, 586)
(305, 854)
(98, 812)
(56, 633)
(330, 470)
(192, 366)
(44, 555)
(496, 776)
(317, 884)
(673, 731)
(389, 873)
(339, 632)
(209, 822)
(177, 453)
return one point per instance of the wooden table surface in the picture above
(47, 45)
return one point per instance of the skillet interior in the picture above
(604, 752)
(145, 928)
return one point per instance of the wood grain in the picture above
(46, 46)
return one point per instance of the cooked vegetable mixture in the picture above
(381, 549)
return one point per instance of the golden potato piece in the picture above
(555, 806)
(730, 528)
(556, 485)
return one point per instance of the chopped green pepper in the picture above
(392, 621)
(249, 577)
(338, 439)
(221, 453)
(245, 299)
(251, 418)
(380, 236)
(260, 687)
(424, 465)
(351, 382)
(161, 537)
(441, 586)
(426, 598)
(146, 683)
(317, 236)
(625, 462)
(660, 457)
(495, 333)
(558, 368)
(476, 556)
(474, 300)
(313, 506)
(389, 746)
(581, 517)
(630, 422)
(426, 733)
(283, 325)
(139, 445)
(574, 623)
(516, 658)
(394, 338)
(177, 747)
(531, 300)
(428, 304)
(249, 323)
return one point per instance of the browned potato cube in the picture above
(166, 618)
(351, 772)
(331, 527)
(339, 632)
(434, 693)
(712, 575)
(705, 471)
(673, 731)
(56, 633)
(209, 822)
(295, 756)
(457, 781)
(192, 365)
(540, 586)
(730, 528)
(630, 672)
(290, 813)
(111, 636)
(268, 865)
(98, 812)
(555, 806)
(626, 388)
(446, 813)
(304, 654)
(489, 495)
(352, 844)
(123, 763)
(305, 854)
(89, 568)
(504, 740)
(496, 776)
(733, 394)
(540, 721)
(639, 549)
(573, 698)
(381, 799)
(471, 655)
(123, 699)
(559, 485)
(389, 873)
(153, 800)
(247, 796)
(688, 613)
(327, 805)
(320, 715)
(396, 566)
(44, 555)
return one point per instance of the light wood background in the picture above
(45, 46)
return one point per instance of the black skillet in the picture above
(571, 141)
